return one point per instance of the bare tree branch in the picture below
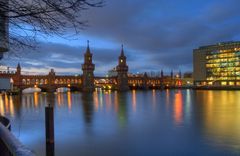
(29, 18)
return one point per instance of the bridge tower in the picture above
(51, 80)
(18, 72)
(145, 79)
(88, 69)
(162, 75)
(18, 75)
(122, 71)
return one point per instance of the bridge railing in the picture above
(5, 122)
(9, 144)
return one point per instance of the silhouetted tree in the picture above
(28, 19)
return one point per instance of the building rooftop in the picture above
(229, 43)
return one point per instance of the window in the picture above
(224, 83)
(231, 83)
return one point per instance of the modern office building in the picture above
(217, 65)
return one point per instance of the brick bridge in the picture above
(87, 81)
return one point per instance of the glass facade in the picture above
(221, 63)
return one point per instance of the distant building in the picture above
(187, 79)
(217, 65)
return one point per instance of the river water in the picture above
(135, 123)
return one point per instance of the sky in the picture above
(157, 35)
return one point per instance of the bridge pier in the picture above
(145, 78)
(51, 90)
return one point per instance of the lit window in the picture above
(224, 83)
(210, 83)
(231, 83)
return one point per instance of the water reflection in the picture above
(107, 96)
(167, 97)
(116, 105)
(221, 118)
(154, 99)
(6, 105)
(134, 101)
(96, 101)
(187, 106)
(69, 99)
(178, 107)
(2, 107)
(122, 108)
(88, 109)
(212, 116)
(35, 95)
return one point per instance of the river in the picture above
(134, 123)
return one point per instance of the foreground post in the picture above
(49, 124)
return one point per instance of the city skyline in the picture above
(167, 35)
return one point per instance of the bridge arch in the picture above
(41, 81)
(56, 81)
(46, 81)
(68, 81)
(28, 81)
(32, 81)
(37, 81)
(24, 82)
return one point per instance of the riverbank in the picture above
(216, 87)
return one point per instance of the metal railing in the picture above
(9, 144)
(5, 122)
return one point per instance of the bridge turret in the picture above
(88, 69)
(180, 74)
(17, 77)
(171, 74)
(52, 72)
(18, 71)
(122, 70)
(145, 79)
(51, 81)
(162, 75)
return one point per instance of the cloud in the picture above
(157, 35)
(59, 56)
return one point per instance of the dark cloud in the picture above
(168, 31)
(157, 34)
(222, 11)
(54, 55)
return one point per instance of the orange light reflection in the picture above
(11, 106)
(2, 111)
(35, 96)
(178, 107)
(134, 101)
(6, 103)
(69, 99)
(154, 98)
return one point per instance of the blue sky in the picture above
(157, 34)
